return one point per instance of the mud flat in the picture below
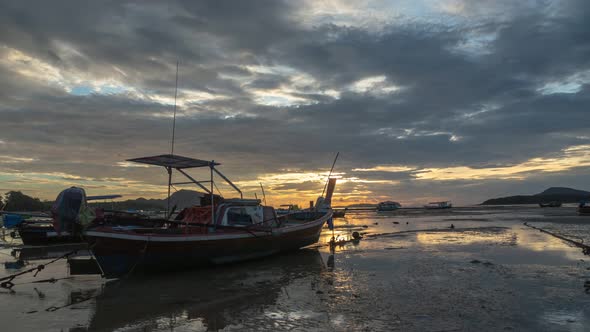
(488, 273)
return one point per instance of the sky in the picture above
(425, 100)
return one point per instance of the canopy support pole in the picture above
(194, 181)
(229, 182)
(212, 166)
(169, 169)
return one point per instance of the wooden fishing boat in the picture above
(226, 231)
(64, 223)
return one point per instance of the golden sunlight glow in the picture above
(391, 169)
(571, 157)
(467, 237)
(575, 156)
(14, 160)
(28, 66)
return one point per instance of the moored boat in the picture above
(550, 204)
(63, 224)
(584, 210)
(388, 206)
(438, 205)
(339, 213)
(225, 231)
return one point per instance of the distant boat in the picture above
(340, 213)
(550, 204)
(438, 205)
(388, 206)
(583, 209)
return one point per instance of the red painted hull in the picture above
(120, 252)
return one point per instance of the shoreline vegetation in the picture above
(16, 201)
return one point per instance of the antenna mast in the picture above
(169, 169)
(174, 118)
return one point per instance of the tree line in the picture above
(17, 201)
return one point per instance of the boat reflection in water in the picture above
(208, 299)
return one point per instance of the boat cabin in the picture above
(245, 212)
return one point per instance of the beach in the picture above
(410, 272)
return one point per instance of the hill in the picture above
(560, 194)
(182, 198)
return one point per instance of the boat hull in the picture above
(44, 235)
(119, 254)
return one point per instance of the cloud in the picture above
(458, 88)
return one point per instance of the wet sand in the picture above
(489, 273)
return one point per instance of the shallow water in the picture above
(489, 273)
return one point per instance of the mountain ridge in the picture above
(559, 194)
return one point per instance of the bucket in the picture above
(12, 220)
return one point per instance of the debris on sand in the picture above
(393, 248)
(395, 222)
(486, 263)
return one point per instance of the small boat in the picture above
(225, 231)
(438, 205)
(64, 224)
(583, 209)
(388, 206)
(66, 220)
(339, 213)
(550, 204)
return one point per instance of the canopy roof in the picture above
(173, 161)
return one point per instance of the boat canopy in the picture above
(174, 161)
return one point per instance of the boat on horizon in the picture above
(583, 209)
(339, 213)
(438, 205)
(550, 204)
(225, 231)
(388, 206)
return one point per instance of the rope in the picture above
(7, 281)
(119, 282)
(585, 248)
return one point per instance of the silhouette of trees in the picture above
(17, 201)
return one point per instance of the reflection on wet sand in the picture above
(483, 235)
(487, 273)
(209, 299)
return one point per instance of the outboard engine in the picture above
(66, 210)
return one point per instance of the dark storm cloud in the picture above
(455, 105)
